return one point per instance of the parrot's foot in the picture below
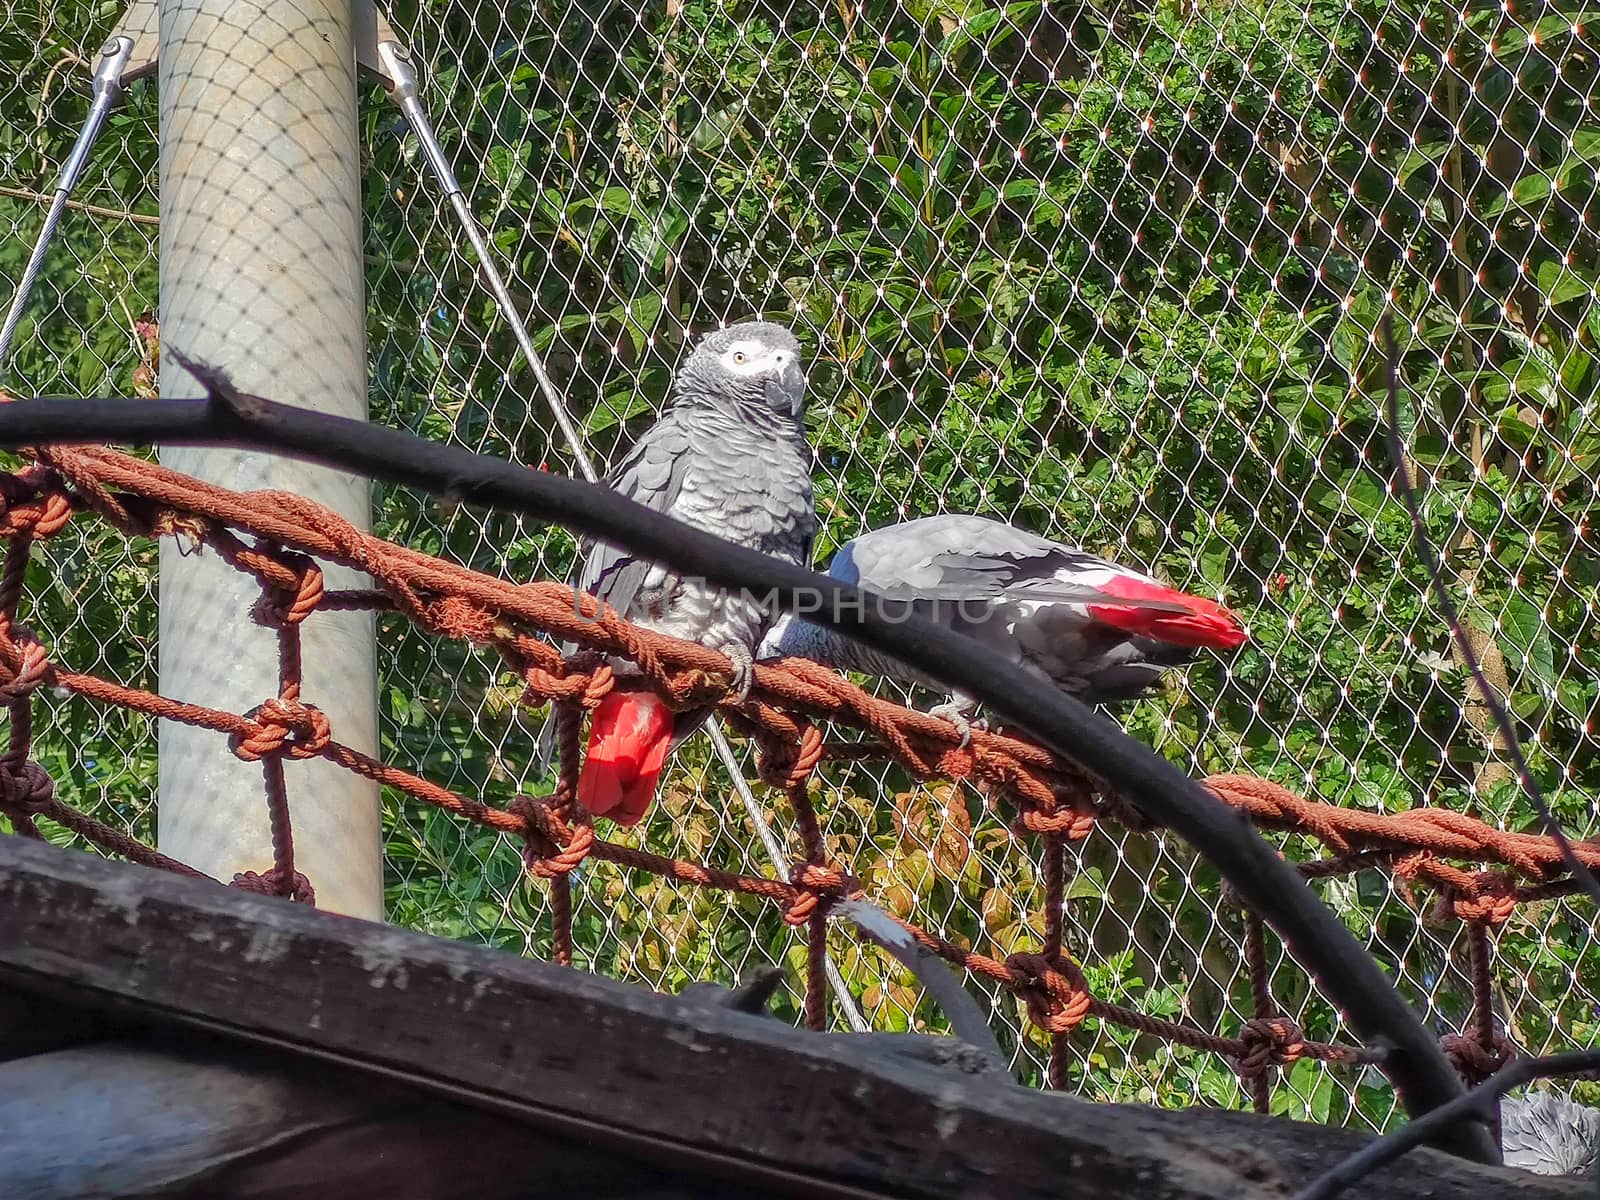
(744, 674)
(958, 713)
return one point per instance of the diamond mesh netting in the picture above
(1113, 276)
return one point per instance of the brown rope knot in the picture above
(42, 517)
(283, 727)
(957, 762)
(583, 689)
(1489, 897)
(26, 788)
(820, 887)
(32, 665)
(1068, 821)
(290, 605)
(786, 764)
(550, 847)
(1474, 1061)
(585, 678)
(1055, 992)
(693, 688)
(271, 883)
(1268, 1042)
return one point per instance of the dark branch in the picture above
(1491, 697)
(1313, 934)
(1478, 1104)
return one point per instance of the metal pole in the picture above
(261, 275)
(395, 62)
(107, 87)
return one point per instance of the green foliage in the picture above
(1111, 273)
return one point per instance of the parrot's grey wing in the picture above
(965, 558)
(652, 474)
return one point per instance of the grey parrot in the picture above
(1096, 630)
(728, 455)
(1549, 1135)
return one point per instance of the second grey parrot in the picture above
(729, 455)
(1096, 630)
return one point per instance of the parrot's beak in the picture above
(795, 379)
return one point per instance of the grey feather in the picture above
(1549, 1135)
(652, 474)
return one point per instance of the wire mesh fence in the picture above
(1110, 275)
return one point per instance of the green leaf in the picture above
(1417, 158)
(1525, 627)
(1525, 192)
(1561, 283)
(1086, 885)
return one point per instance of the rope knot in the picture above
(788, 765)
(1474, 1061)
(33, 501)
(283, 727)
(293, 593)
(32, 665)
(26, 788)
(957, 762)
(271, 883)
(585, 677)
(40, 518)
(1055, 991)
(819, 886)
(1490, 897)
(1070, 822)
(1268, 1042)
(550, 847)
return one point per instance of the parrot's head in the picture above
(754, 364)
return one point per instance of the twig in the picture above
(95, 210)
(1479, 1102)
(1463, 644)
(1316, 937)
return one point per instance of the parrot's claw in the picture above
(744, 673)
(956, 712)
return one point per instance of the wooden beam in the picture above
(680, 1082)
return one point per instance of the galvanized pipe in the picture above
(261, 275)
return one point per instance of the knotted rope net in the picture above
(1472, 872)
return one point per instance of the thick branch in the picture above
(1313, 934)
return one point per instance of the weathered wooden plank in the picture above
(674, 1080)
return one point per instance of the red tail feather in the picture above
(1206, 623)
(628, 741)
